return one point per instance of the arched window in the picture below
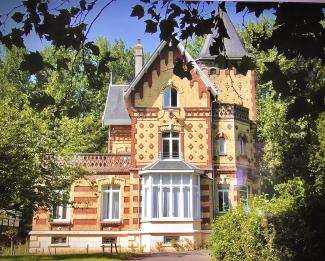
(170, 98)
(222, 146)
(110, 203)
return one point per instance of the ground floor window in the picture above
(61, 212)
(58, 240)
(170, 196)
(170, 239)
(243, 194)
(110, 203)
(223, 200)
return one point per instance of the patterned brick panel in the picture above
(205, 198)
(85, 211)
(135, 198)
(84, 221)
(135, 187)
(85, 199)
(135, 221)
(205, 220)
(204, 187)
(126, 199)
(41, 221)
(85, 189)
(126, 222)
(126, 188)
(126, 210)
(135, 210)
(205, 209)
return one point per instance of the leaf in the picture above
(138, 11)
(17, 17)
(33, 62)
(94, 48)
(151, 26)
(62, 63)
(74, 10)
(82, 4)
(145, 1)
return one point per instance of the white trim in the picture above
(167, 171)
(95, 233)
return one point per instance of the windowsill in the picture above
(58, 222)
(171, 219)
(111, 222)
(171, 108)
(223, 154)
(59, 245)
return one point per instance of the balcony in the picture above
(99, 161)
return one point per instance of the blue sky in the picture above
(115, 23)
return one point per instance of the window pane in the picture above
(146, 180)
(195, 202)
(155, 203)
(167, 97)
(221, 146)
(165, 201)
(220, 201)
(173, 97)
(186, 194)
(145, 202)
(176, 198)
(226, 201)
(166, 134)
(105, 205)
(175, 134)
(156, 179)
(195, 180)
(165, 151)
(176, 179)
(165, 179)
(115, 205)
(175, 148)
(186, 179)
(56, 212)
(64, 212)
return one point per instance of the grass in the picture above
(71, 257)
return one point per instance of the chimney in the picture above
(138, 57)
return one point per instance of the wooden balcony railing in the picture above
(100, 161)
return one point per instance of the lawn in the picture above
(72, 257)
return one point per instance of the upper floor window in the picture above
(223, 200)
(61, 212)
(242, 144)
(222, 146)
(170, 97)
(170, 145)
(110, 203)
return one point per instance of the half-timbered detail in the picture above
(180, 152)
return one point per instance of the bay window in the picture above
(170, 196)
(110, 203)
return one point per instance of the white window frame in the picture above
(110, 189)
(147, 203)
(242, 146)
(170, 98)
(244, 189)
(170, 139)
(224, 146)
(60, 211)
(223, 191)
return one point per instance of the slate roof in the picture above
(115, 112)
(168, 165)
(234, 46)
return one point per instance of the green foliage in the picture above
(266, 231)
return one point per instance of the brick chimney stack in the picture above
(138, 57)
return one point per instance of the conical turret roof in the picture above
(234, 48)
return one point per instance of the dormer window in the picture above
(170, 98)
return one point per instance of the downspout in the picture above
(212, 164)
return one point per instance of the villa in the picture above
(180, 153)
